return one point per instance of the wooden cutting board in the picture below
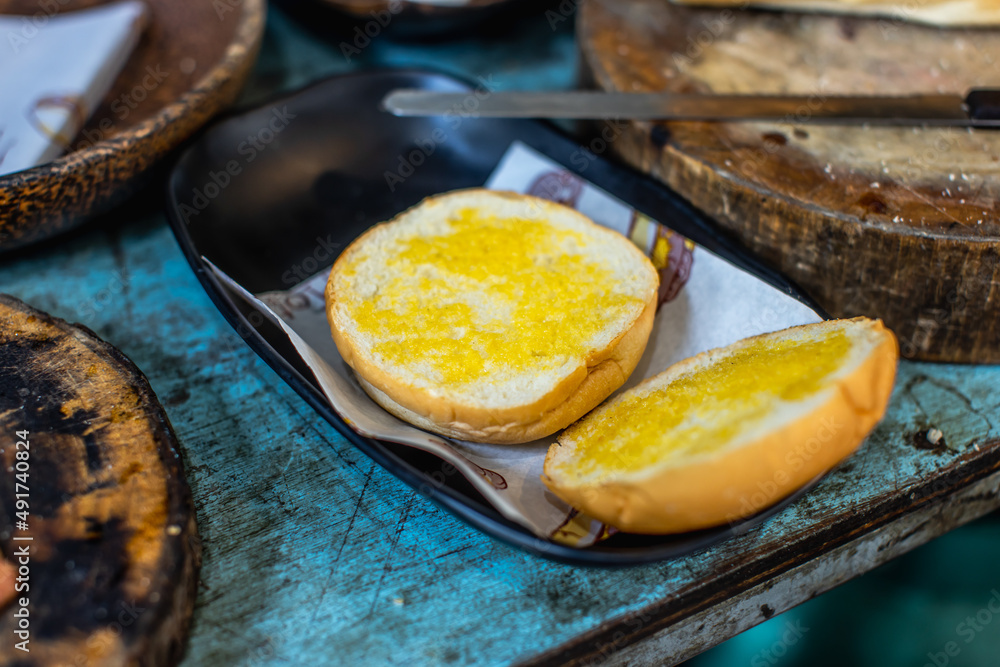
(898, 223)
(104, 548)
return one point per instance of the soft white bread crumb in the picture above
(504, 401)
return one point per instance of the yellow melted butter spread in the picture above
(705, 410)
(490, 295)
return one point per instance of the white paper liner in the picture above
(718, 305)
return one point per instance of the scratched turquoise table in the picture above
(313, 555)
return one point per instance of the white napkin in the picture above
(54, 71)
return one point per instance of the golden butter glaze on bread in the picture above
(723, 435)
(491, 316)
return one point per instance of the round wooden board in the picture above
(114, 550)
(897, 223)
(190, 63)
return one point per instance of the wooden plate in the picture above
(112, 545)
(191, 62)
(898, 223)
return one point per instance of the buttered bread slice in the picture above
(719, 437)
(491, 316)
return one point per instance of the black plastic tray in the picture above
(272, 194)
(402, 19)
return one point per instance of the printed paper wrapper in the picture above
(706, 303)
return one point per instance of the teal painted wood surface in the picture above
(311, 550)
(314, 555)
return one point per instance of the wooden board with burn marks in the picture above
(97, 528)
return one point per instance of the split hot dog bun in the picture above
(721, 436)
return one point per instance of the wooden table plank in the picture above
(313, 555)
(704, 630)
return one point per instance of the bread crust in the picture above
(599, 382)
(740, 481)
(602, 372)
